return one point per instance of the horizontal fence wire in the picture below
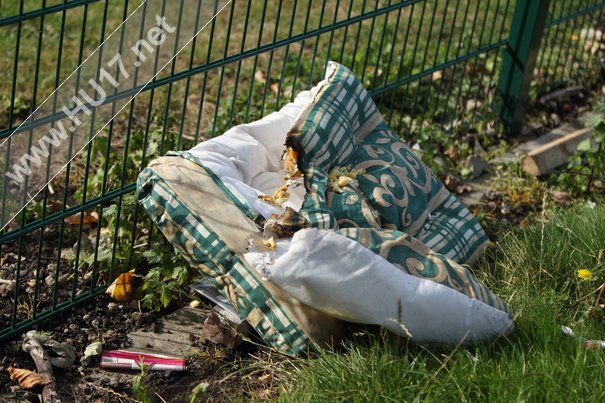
(431, 66)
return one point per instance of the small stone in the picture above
(6, 289)
(5, 361)
(137, 318)
(95, 323)
(555, 120)
(112, 307)
(109, 334)
(114, 381)
(50, 280)
(64, 277)
(74, 327)
(477, 165)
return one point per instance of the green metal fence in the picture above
(431, 66)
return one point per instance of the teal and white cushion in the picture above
(398, 238)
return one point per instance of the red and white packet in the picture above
(121, 359)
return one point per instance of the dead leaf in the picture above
(452, 153)
(260, 76)
(463, 189)
(121, 288)
(281, 195)
(27, 379)
(270, 243)
(563, 198)
(86, 218)
(274, 87)
(451, 182)
(217, 332)
(290, 163)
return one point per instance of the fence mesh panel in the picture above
(430, 65)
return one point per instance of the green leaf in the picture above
(585, 145)
(166, 296)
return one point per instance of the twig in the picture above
(160, 397)
(33, 347)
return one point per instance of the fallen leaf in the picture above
(217, 332)
(260, 76)
(62, 355)
(27, 379)
(121, 288)
(450, 182)
(562, 198)
(452, 153)
(86, 218)
(270, 243)
(93, 349)
(463, 189)
(274, 87)
(290, 163)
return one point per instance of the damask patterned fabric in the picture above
(394, 193)
(395, 189)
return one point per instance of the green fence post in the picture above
(518, 63)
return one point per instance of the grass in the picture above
(535, 270)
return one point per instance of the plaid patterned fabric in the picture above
(179, 220)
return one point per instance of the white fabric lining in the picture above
(343, 279)
(248, 157)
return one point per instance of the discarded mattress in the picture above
(319, 215)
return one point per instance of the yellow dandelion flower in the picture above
(584, 274)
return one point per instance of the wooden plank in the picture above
(186, 320)
(553, 154)
(175, 337)
(173, 344)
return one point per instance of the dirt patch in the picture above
(213, 373)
